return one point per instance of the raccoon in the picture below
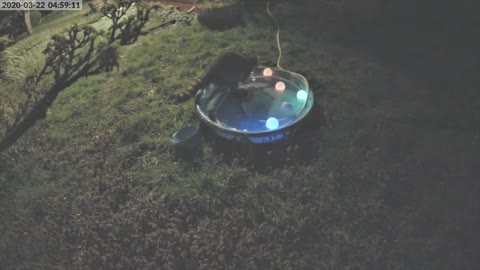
(226, 72)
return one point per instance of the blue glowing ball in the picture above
(272, 123)
(302, 95)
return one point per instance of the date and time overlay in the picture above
(40, 5)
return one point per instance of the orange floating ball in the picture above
(267, 72)
(280, 86)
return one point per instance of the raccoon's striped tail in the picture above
(190, 92)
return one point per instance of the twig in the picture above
(192, 9)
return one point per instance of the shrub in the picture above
(5, 41)
(97, 5)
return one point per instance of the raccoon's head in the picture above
(252, 60)
(250, 64)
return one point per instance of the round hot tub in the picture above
(264, 108)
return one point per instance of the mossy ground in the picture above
(388, 185)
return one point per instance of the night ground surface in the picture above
(388, 181)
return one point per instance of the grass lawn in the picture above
(386, 183)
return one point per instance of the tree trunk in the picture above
(28, 24)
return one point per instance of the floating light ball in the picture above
(302, 95)
(272, 123)
(268, 72)
(280, 86)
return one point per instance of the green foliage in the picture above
(17, 66)
(16, 82)
(116, 11)
(35, 17)
(5, 41)
(132, 27)
(215, 3)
